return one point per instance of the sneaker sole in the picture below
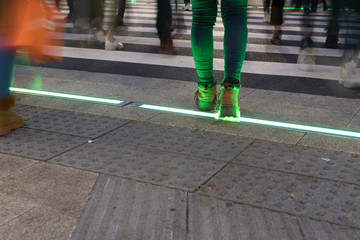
(229, 111)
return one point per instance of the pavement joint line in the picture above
(226, 164)
(292, 173)
(26, 167)
(16, 217)
(277, 211)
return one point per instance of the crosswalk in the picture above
(265, 67)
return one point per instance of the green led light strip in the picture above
(291, 126)
(66, 95)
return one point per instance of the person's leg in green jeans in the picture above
(234, 14)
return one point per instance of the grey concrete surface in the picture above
(41, 200)
(80, 170)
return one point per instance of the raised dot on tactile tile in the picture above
(346, 210)
(300, 208)
(330, 198)
(344, 219)
(279, 205)
(355, 195)
(321, 214)
(324, 205)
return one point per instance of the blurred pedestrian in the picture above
(306, 59)
(348, 72)
(267, 11)
(89, 15)
(69, 17)
(234, 15)
(164, 27)
(276, 19)
(110, 42)
(187, 5)
(17, 32)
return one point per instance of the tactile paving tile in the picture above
(127, 209)
(340, 166)
(300, 195)
(163, 168)
(72, 123)
(37, 144)
(180, 140)
(19, 107)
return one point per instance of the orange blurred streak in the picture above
(27, 26)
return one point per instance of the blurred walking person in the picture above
(348, 72)
(277, 19)
(89, 15)
(164, 27)
(234, 15)
(110, 42)
(33, 39)
(187, 5)
(306, 59)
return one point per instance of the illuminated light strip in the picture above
(291, 126)
(178, 110)
(66, 95)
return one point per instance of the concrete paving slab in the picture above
(65, 190)
(324, 200)
(281, 99)
(257, 132)
(126, 209)
(12, 164)
(11, 208)
(211, 218)
(350, 145)
(111, 156)
(39, 224)
(314, 162)
(184, 121)
(38, 145)
(354, 125)
(222, 147)
(298, 115)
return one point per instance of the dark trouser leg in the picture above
(6, 71)
(120, 14)
(164, 21)
(71, 8)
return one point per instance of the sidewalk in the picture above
(79, 170)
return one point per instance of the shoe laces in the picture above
(206, 94)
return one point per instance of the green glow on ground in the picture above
(178, 110)
(66, 95)
(270, 123)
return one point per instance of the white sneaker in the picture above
(100, 36)
(115, 45)
(266, 17)
(349, 76)
(306, 60)
(187, 7)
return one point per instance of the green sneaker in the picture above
(205, 97)
(227, 105)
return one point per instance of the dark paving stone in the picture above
(315, 162)
(126, 209)
(180, 140)
(84, 125)
(137, 162)
(300, 195)
(37, 144)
